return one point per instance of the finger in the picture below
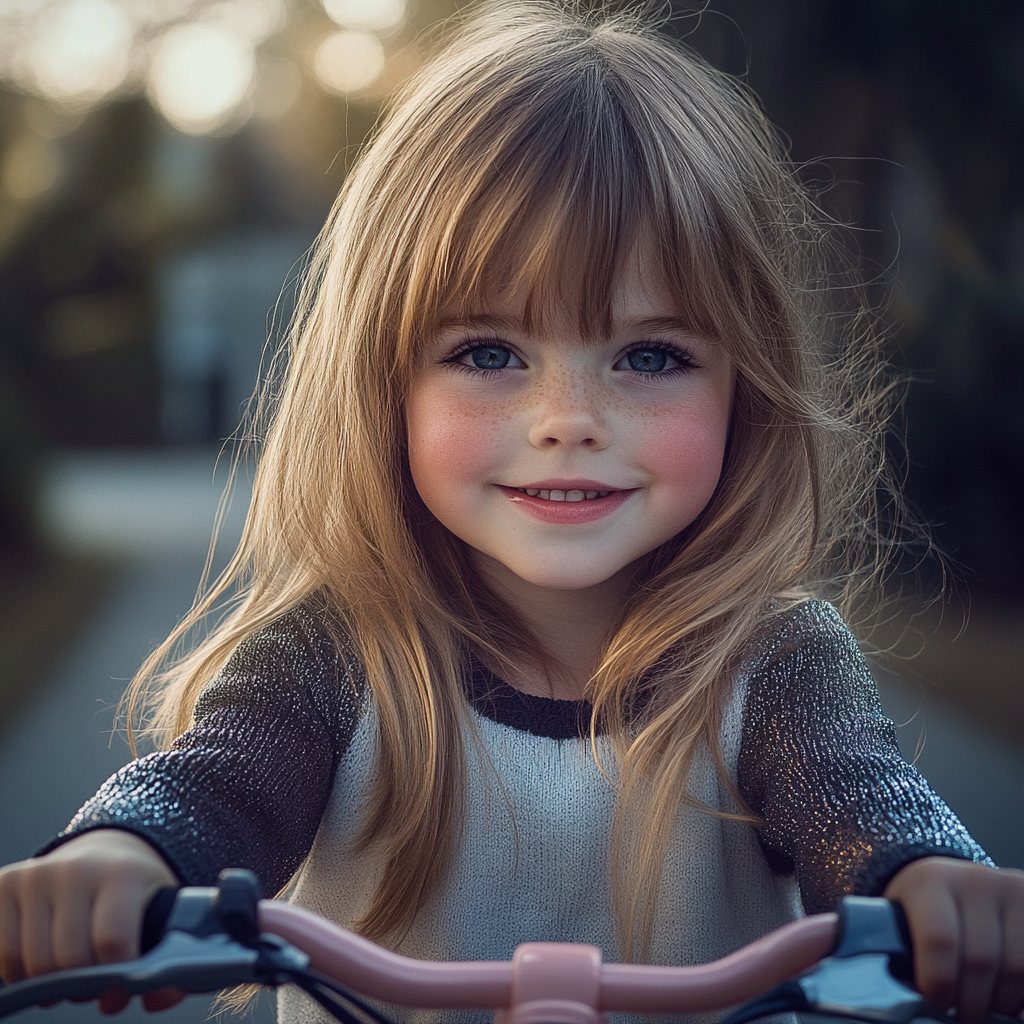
(162, 999)
(36, 915)
(981, 955)
(1009, 994)
(11, 967)
(935, 932)
(70, 939)
(114, 1000)
(114, 931)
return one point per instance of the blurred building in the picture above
(219, 304)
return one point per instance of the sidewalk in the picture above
(156, 513)
(60, 749)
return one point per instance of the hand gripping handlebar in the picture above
(853, 965)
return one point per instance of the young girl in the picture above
(527, 643)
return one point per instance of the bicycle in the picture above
(854, 964)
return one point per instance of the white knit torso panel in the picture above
(533, 863)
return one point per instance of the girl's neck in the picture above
(572, 625)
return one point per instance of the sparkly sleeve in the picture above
(819, 763)
(247, 784)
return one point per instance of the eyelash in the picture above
(472, 346)
(685, 360)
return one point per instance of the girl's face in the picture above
(564, 458)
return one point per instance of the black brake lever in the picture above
(210, 942)
(868, 975)
(866, 978)
(863, 979)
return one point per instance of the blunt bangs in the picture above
(590, 163)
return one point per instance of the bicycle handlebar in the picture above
(639, 988)
(219, 938)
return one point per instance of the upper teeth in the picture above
(565, 495)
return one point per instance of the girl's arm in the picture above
(841, 808)
(246, 786)
(844, 812)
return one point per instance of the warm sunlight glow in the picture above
(368, 15)
(80, 51)
(254, 20)
(349, 61)
(30, 167)
(278, 88)
(200, 74)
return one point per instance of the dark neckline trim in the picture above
(495, 699)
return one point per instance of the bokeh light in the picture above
(80, 51)
(253, 20)
(199, 76)
(349, 61)
(31, 167)
(368, 15)
(278, 89)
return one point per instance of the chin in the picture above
(566, 578)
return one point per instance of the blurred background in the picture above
(164, 165)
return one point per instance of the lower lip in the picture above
(567, 512)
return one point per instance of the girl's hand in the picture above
(967, 924)
(81, 904)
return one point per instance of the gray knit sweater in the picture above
(275, 772)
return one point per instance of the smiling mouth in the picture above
(556, 495)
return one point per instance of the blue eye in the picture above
(483, 358)
(655, 359)
(647, 360)
(490, 357)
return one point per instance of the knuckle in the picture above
(70, 877)
(110, 946)
(979, 964)
(10, 968)
(36, 880)
(936, 944)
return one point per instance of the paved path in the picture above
(60, 749)
(156, 515)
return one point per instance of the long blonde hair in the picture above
(531, 154)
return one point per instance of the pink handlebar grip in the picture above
(488, 984)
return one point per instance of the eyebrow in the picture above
(485, 321)
(658, 323)
(499, 322)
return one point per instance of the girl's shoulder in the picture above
(304, 655)
(791, 625)
(806, 647)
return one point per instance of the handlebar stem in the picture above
(555, 983)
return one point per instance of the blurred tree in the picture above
(910, 115)
(906, 115)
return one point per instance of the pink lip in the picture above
(567, 512)
(570, 485)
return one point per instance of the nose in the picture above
(569, 413)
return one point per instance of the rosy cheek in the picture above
(449, 442)
(687, 453)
